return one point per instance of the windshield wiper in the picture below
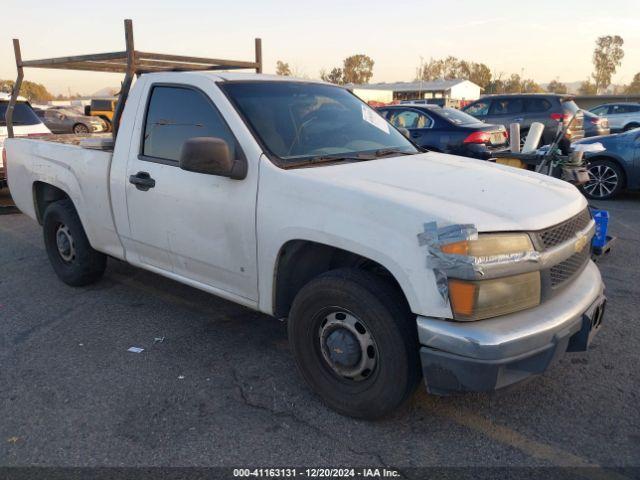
(360, 157)
(383, 152)
(341, 158)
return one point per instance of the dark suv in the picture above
(526, 108)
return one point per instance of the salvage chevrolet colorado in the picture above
(296, 199)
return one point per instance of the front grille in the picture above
(563, 272)
(553, 236)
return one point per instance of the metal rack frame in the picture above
(131, 62)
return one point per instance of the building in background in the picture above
(455, 93)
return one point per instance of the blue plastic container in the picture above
(601, 218)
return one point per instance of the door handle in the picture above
(142, 181)
(415, 134)
(519, 119)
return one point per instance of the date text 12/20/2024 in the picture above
(315, 473)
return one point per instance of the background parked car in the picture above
(78, 110)
(616, 168)
(548, 109)
(447, 130)
(595, 125)
(103, 108)
(621, 116)
(25, 122)
(60, 120)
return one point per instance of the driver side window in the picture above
(479, 108)
(176, 114)
(409, 119)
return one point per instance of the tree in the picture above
(430, 71)
(479, 74)
(357, 69)
(453, 68)
(607, 57)
(283, 69)
(587, 88)
(556, 86)
(634, 87)
(34, 92)
(334, 76)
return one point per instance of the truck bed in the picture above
(61, 161)
(96, 141)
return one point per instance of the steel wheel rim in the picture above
(604, 181)
(64, 243)
(357, 334)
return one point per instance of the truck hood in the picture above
(451, 189)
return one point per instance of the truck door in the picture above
(199, 227)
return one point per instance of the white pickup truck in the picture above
(298, 200)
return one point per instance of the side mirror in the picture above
(212, 156)
(61, 116)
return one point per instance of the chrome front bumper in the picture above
(490, 354)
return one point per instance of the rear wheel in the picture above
(68, 248)
(355, 342)
(606, 180)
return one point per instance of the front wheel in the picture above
(80, 128)
(355, 342)
(73, 259)
(606, 180)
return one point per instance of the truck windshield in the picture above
(298, 121)
(22, 114)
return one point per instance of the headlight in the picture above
(480, 299)
(491, 244)
(476, 300)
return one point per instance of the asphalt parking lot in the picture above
(221, 387)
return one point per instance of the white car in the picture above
(296, 199)
(621, 116)
(25, 121)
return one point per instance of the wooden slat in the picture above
(87, 66)
(195, 60)
(96, 57)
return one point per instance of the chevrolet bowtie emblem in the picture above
(580, 243)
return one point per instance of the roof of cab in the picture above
(240, 76)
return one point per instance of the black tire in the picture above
(607, 180)
(631, 126)
(80, 128)
(79, 265)
(377, 305)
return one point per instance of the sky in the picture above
(541, 39)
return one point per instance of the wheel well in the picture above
(614, 160)
(44, 194)
(299, 261)
(631, 126)
(79, 123)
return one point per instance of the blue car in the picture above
(616, 168)
(447, 130)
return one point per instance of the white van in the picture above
(25, 123)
